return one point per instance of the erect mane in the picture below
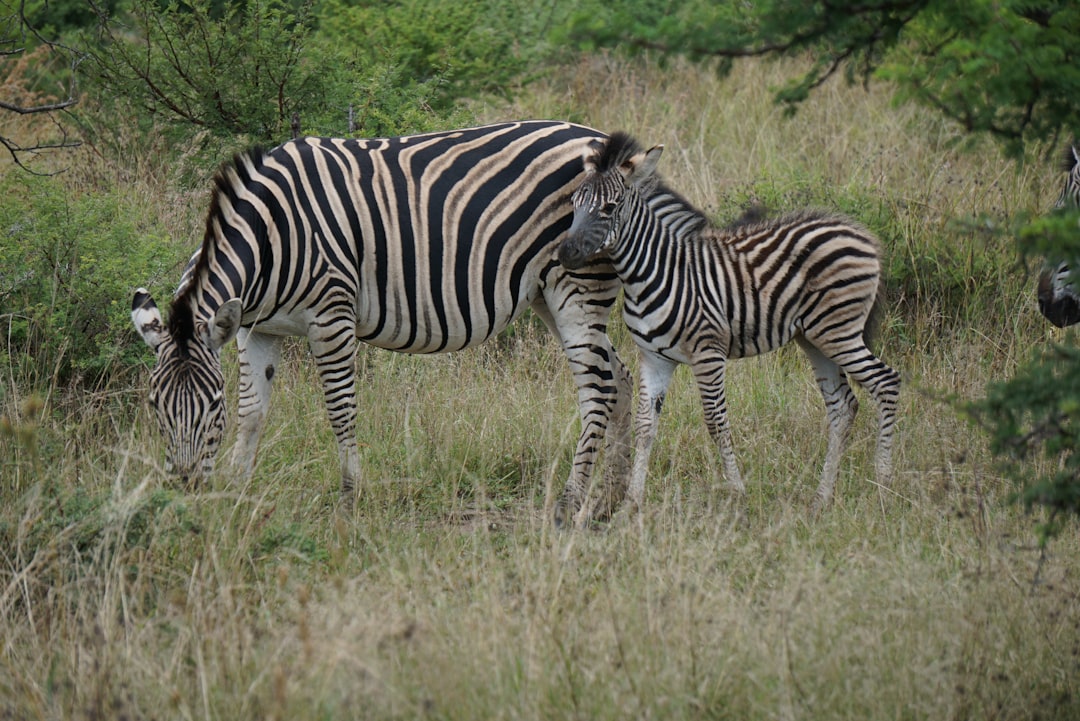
(752, 216)
(619, 148)
(230, 177)
(759, 218)
(181, 326)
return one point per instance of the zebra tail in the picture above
(873, 319)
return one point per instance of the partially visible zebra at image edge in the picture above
(700, 295)
(418, 244)
(1059, 300)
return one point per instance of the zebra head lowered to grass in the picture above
(1059, 300)
(700, 295)
(418, 244)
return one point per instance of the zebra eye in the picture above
(608, 208)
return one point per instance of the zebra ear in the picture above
(640, 167)
(225, 324)
(147, 319)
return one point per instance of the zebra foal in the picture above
(418, 244)
(1059, 300)
(701, 295)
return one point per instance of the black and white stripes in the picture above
(700, 295)
(417, 244)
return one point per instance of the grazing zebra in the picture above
(700, 295)
(1058, 299)
(420, 244)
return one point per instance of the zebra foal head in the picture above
(187, 387)
(616, 170)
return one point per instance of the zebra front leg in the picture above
(334, 349)
(656, 372)
(841, 407)
(603, 390)
(598, 395)
(710, 380)
(258, 357)
(617, 451)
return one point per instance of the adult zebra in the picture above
(701, 295)
(419, 244)
(1059, 300)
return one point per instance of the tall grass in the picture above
(448, 594)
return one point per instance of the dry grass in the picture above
(448, 594)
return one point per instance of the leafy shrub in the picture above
(259, 69)
(456, 50)
(380, 101)
(238, 69)
(67, 269)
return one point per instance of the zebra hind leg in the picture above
(841, 407)
(604, 392)
(883, 385)
(885, 392)
(334, 348)
(599, 382)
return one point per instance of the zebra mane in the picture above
(230, 176)
(181, 326)
(758, 218)
(619, 148)
(752, 215)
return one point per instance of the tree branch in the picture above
(13, 147)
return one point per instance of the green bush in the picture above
(379, 101)
(237, 70)
(457, 50)
(67, 269)
(338, 68)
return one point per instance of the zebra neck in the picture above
(658, 230)
(213, 283)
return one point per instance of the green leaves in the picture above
(238, 71)
(1010, 69)
(993, 68)
(66, 270)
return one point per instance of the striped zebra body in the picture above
(699, 295)
(418, 244)
(1059, 300)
